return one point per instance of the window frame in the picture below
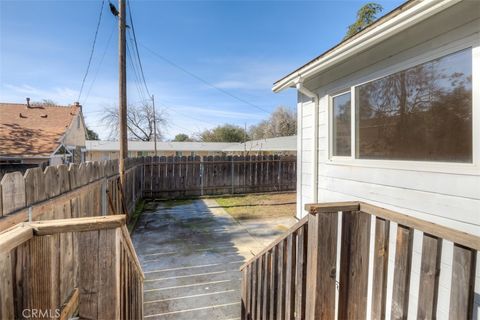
(330, 112)
(473, 167)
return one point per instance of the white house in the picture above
(391, 116)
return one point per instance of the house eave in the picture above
(367, 39)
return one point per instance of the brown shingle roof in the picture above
(33, 131)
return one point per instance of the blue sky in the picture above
(241, 47)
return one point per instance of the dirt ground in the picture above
(259, 206)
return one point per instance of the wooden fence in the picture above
(328, 267)
(66, 267)
(59, 192)
(171, 177)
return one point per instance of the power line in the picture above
(136, 79)
(136, 48)
(203, 80)
(100, 64)
(93, 49)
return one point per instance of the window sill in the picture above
(418, 166)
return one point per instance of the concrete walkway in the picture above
(191, 254)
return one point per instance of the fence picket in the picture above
(13, 192)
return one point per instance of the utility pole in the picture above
(122, 86)
(154, 125)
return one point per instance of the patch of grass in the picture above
(139, 208)
(257, 206)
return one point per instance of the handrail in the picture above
(131, 250)
(292, 229)
(446, 233)
(14, 237)
(332, 207)
(46, 227)
(432, 228)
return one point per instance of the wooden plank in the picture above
(332, 207)
(281, 278)
(6, 287)
(14, 237)
(266, 285)
(42, 274)
(463, 238)
(260, 266)
(402, 272)
(34, 186)
(253, 305)
(248, 314)
(68, 264)
(429, 277)
(380, 268)
(301, 273)
(273, 283)
(243, 308)
(321, 265)
(108, 291)
(63, 178)
(463, 282)
(77, 224)
(88, 274)
(13, 192)
(52, 186)
(291, 257)
(71, 306)
(354, 255)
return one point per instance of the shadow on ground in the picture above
(191, 254)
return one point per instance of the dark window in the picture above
(423, 113)
(341, 125)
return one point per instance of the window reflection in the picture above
(423, 113)
(341, 125)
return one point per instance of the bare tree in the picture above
(139, 122)
(282, 122)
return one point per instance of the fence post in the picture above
(232, 171)
(279, 173)
(202, 170)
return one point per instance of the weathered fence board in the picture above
(172, 177)
(60, 192)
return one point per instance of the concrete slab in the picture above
(191, 253)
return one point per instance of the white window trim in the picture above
(330, 121)
(472, 168)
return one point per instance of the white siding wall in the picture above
(447, 198)
(305, 165)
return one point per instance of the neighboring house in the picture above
(271, 146)
(391, 116)
(34, 135)
(105, 150)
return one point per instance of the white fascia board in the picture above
(402, 21)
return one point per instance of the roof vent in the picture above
(22, 116)
(28, 102)
(44, 116)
